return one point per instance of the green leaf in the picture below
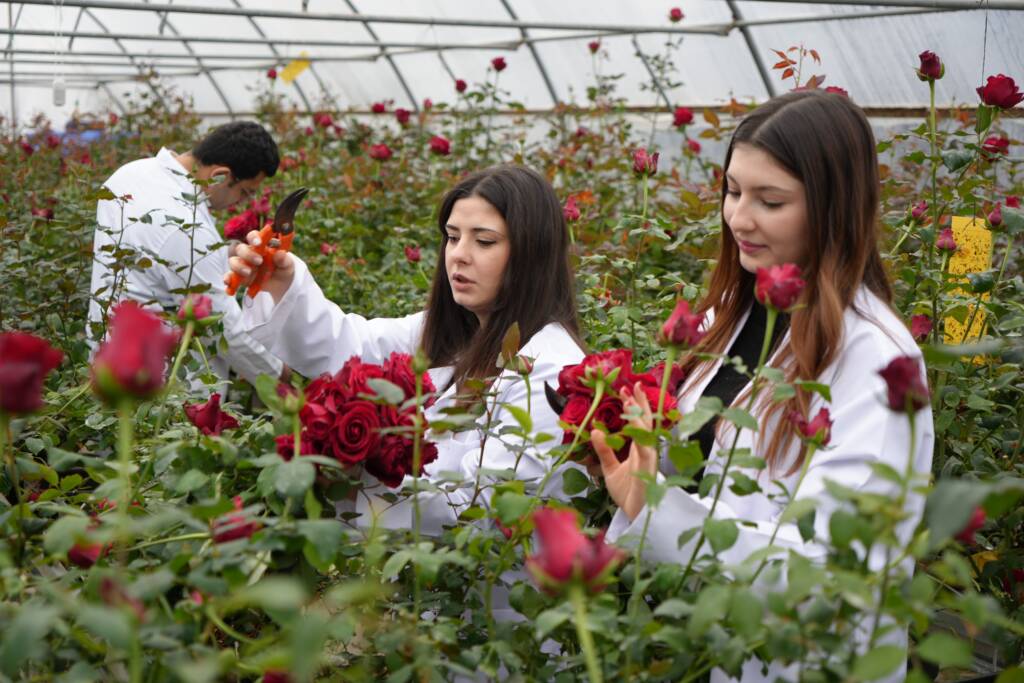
(273, 592)
(548, 620)
(190, 481)
(746, 612)
(686, 456)
(822, 390)
(1011, 675)
(956, 159)
(806, 525)
(721, 533)
(511, 506)
(63, 533)
(323, 534)
(950, 505)
(266, 389)
(294, 478)
(879, 662)
(522, 416)
(984, 118)
(386, 390)
(740, 418)
(797, 509)
(945, 650)
(710, 608)
(574, 481)
(24, 636)
(113, 625)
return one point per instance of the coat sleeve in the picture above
(313, 335)
(865, 434)
(487, 453)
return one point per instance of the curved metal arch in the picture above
(165, 21)
(121, 47)
(536, 56)
(390, 60)
(110, 93)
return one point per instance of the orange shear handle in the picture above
(267, 267)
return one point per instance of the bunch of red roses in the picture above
(341, 418)
(577, 385)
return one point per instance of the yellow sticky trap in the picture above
(295, 67)
(973, 255)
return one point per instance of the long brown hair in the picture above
(825, 141)
(536, 287)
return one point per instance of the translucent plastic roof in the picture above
(408, 50)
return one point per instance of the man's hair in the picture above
(243, 146)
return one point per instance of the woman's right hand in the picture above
(245, 260)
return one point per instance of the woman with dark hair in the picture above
(504, 261)
(800, 187)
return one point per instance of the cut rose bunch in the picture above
(614, 369)
(341, 420)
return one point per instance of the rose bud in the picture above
(208, 416)
(920, 326)
(25, 360)
(931, 68)
(682, 117)
(130, 363)
(327, 249)
(378, 108)
(412, 254)
(683, 328)
(977, 520)
(460, 85)
(919, 211)
(818, 431)
(233, 526)
(380, 152)
(594, 46)
(693, 146)
(779, 287)
(945, 240)
(84, 554)
(440, 146)
(565, 555)
(570, 211)
(499, 64)
(837, 90)
(1000, 91)
(402, 116)
(272, 73)
(428, 104)
(195, 307)
(905, 386)
(644, 164)
(675, 15)
(995, 217)
(1012, 202)
(323, 119)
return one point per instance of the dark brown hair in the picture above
(536, 288)
(825, 141)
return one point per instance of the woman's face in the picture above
(766, 210)
(475, 254)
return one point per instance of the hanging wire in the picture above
(984, 44)
(59, 88)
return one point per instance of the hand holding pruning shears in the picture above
(263, 263)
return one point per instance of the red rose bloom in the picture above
(919, 211)
(354, 375)
(46, 213)
(675, 377)
(412, 254)
(25, 360)
(234, 525)
(1000, 91)
(837, 90)
(327, 249)
(817, 431)
(440, 146)
(570, 211)
(380, 152)
(682, 117)
(995, 217)
(675, 15)
(977, 520)
(694, 146)
(402, 116)
(378, 108)
(594, 46)
(195, 307)
(460, 85)
(356, 432)
(499, 64)
(564, 554)
(644, 164)
(779, 286)
(84, 554)
(398, 370)
(573, 413)
(931, 68)
(130, 363)
(285, 444)
(945, 240)
(1013, 201)
(237, 227)
(995, 145)
(275, 676)
(683, 328)
(318, 421)
(323, 119)
(208, 417)
(920, 326)
(905, 385)
(272, 73)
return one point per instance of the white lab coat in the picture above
(865, 431)
(313, 335)
(157, 186)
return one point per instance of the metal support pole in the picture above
(388, 57)
(536, 57)
(748, 38)
(650, 72)
(273, 49)
(10, 66)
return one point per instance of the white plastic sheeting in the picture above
(872, 57)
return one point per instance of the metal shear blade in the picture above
(284, 217)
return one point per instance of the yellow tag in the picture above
(295, 67)
(973, 255)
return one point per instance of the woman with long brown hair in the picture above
(801, 187)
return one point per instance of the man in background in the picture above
(156, 240)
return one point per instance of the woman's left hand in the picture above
(627, 490)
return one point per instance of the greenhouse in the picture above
(509, 340)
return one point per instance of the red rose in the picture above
(354, 374)
(25, 360)
(378, 108)
(288, 163)
(977, 520)
(356, 432)
(46, 213)
(570, 211)
(285, 444)
(233, 526)
(609, 413)
(398, 370)
(499, 64)
(931, 68)
(327, 249)
(52, 141)
(114, 595)
(837, 90)
(919, 211)
(1013, 201)
(905, 385)
(112, 119)
(995, 217)
(130, 363)
(460, 85)
(644, 164)
(920, 326)
(275, 676)
(945, 240)
(380, 152)
(208, 417)
(195, 307)
(323, 119)
(272, 73)
(317, 422)
(594, 46)
(675, 377)
(1000, 91)
(570, 379)
(817, 431)
(440, 146)
(564, 554)
(682, 117)
(779, 286)
(392, 461)
(237, 227)
(412, 254)
(573, 413)
(675, 15)
(694, 146)
(85, 554)
(428, 104)
(995, 145)
(682, 328)
(26, 147)
(402, 116)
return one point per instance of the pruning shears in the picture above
(274, 237)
